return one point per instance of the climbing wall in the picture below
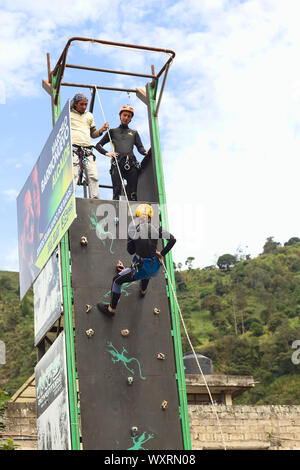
(127, 383)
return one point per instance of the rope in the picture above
(116, 160)
(196, 358)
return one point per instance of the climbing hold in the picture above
(164, 405)
(83, 241)
(156, 311)
(90, 332)
(88, 308)
(125, 332)
(129, 380)
(160, 356)
(134, 430)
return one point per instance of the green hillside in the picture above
(244, 314)
(16, 330)
(245, 317)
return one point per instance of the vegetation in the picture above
(3, 399)
(242, 313)
(17, 331)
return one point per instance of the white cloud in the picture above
(29, 30)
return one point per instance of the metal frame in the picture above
(52, 86)
(61, 65)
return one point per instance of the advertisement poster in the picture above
(47, 290)
(46, 203)
(52, 404)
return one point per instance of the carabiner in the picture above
(127, 166)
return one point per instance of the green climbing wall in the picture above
(123, 383)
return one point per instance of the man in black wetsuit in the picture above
(142, 241)
(123, 139)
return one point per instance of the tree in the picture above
(265, 315)
(189, 262)
(257, 329)
(220, 288)
(182, 286)
(292, 241)
(212, 303)
(212, 267)
(270, 245)
(226, 261)
(275, 321)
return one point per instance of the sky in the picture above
(229, 119)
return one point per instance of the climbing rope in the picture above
(116, 160)
(194, 353)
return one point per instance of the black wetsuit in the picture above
(142, 241)
(123, 139)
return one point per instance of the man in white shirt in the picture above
(82, 129)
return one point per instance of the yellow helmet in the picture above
(144, 209)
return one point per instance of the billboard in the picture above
(47, 290)
(46, 203)
(52, 403)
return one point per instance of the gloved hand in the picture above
(120, 266)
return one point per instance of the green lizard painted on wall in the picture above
(123, 289)
(98, 226)
(120, 357)
(137, 442)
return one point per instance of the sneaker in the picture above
(103, 308)
(143, 293)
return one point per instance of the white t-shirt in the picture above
(83, 128)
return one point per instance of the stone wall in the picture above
(20, 425)
(243, 427)
(272, 427)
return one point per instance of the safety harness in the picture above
(83, 153)
(127, 161)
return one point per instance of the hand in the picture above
(120, 266)
(159, 255)
(111, 154)
(104, 127)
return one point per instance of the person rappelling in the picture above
(123, 139)
(82, 129)
(142, 243)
